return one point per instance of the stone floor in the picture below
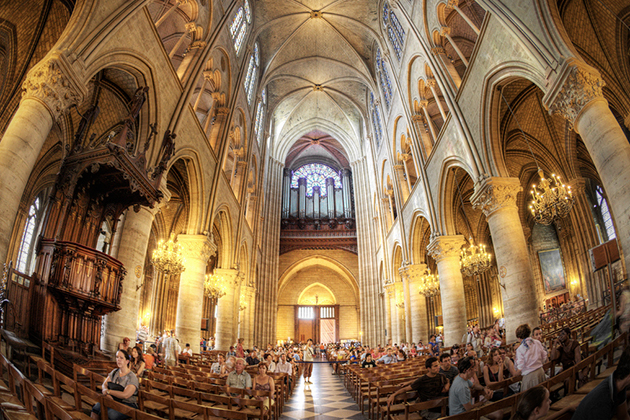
(326, 398)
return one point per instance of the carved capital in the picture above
(442, 247)
(417, 118)
(492, 194)
(451, 4)
(445, 31)
(191, 26)
(431, 83)
(438, 51)
(575, 86)
(230, 275)
(52, 82)
(578, 185)
(198, 247)
(423, 103)
(413, 272)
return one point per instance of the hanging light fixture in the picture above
(214, 286)
(167, 257)
(474, 260)
(429, 284)
(551, 200)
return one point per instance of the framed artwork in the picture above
(552, 270)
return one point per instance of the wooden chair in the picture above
(83, 394)
(413, 411)
(158, 388)
(161, 406)
(185, 394)
(506, 405)
(215, 400)
(218, 414)
(186, 410)
(254, 408)
(108, 403)
(53, 411)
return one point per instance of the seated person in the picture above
(238, 378)
(124, 377)
(608, 399)
(434, 346)
(368, 362)
(264, 382)
(446, 368)
(428, 387)
(566, 350)
(137, 364)
(125, 344)
(388, 357)
(252, 359)
(187, 351)
(459, 395)
(216, 366)
(493, 371)
(533, 405)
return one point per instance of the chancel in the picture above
(258, 173)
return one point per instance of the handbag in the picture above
(113, 386)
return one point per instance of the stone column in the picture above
(245, 316)
(418, 303)
(445, 250)
(207, 78)
(453, 5)
(432, 83)
(576, 94)
(190, 27)
(389, 321)
(196, 249)
(399, 306)
(440, 53)
(425, 138)
(49, 91)
(132, 253)
(497, 199)
(446, 32)
(424, 104)
(170, 12)
(399, 170)
(227, 309)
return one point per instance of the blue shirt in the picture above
(387, 359)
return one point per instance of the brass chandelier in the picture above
(167, 257)
(474, 259)
(429, 284)
(551, 200)
(214, 286)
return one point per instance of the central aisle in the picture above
(326, 398)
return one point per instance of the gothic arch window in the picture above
(376, 120)
(394, 29)
(260, 116)
(383, 76)
(26, 254)
(238, 28)
(252, 73)
(606, 228)
(316, 175)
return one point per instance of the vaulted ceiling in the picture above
(316, 60)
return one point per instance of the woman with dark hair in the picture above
(138, 364)
(127, 384)
(534, 404)
(263, 382)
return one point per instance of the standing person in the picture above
(309, 352)
(124, 377)
(530, 357)
(149, 359)
(240, 351)
(170, 350)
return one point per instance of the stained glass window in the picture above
(238, 27)
(383, 75)
(376, 120)
(316, 175)
(605, 212)
(250, 78)
(248, 12)
(395, 31)
(26, 248)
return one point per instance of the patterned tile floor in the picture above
(326, 398)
